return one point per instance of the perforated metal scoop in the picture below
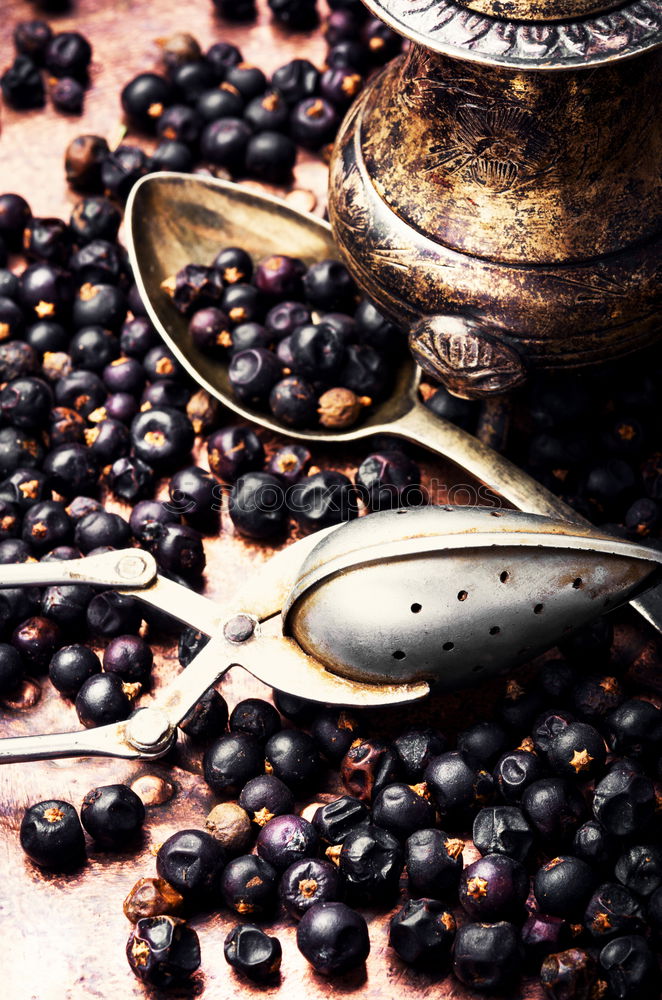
(370, 613)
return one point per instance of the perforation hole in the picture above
(504, 576)
(447, 646)
(495, 630)
(538, 609)
(399, 655)
(462, 595)
(415, 608)
(479, 666)
(577, 583)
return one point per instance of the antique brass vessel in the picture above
(499, 187)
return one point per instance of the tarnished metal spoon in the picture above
(174, 219)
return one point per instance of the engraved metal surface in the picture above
(456, 30)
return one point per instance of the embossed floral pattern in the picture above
(496, 147)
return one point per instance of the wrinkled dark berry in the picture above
(163, 950)
(422, 933)
(434, 863)
(113, 815)
(102, 700)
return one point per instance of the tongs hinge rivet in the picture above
(239, 628)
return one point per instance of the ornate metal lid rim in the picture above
(452, 29)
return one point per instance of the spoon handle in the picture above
(502, 477)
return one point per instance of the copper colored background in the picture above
(64, 937)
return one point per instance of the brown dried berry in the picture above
(151, 897)
(571, 973)
(339, 407)
(230, 825)
(366, 767)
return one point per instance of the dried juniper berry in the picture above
(36, 640)
(191, 861)
(256, 717)
(422, 933)
(68, 53)
(313, 122)
(113, 815)
(121, 168)
(334, 731)
(130, 658)
(223, 142)
(230, 825)
(367, 767)
(569, 974)
(613, 910)
(207, 719)
(630, 967)
(72, 470)
(249, 885)
(131, 479)
(371, 862)
(456, 787)
(110, 614)
(252, 952)
(563, 886)
(101, 527)
(231, 761)
(593, 844)
(71, 666)
(402, 809)
(434, 863)
(151, 897)
(547, 726)
(293, 401)
(22, 85)
(180, 553)
(503, 830)
(487, 956)
(554, 808)
(265, 797)
(162, 437)
(293, 757)
(624, 800)
(45, 525)
(51, 835)
(482, 744)
(388, 479)
(257, 505)
(594, 696)
(253, 373)
(163, 950)
(195, 494)
(636, 728)
(308, 882)
(333, 938)
(335, 820)
(232, 451)
(323, 499)
(494, 888)
(578, 750)
(640, 869)
(101, 700)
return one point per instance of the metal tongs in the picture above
(371, 613)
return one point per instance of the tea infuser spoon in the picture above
(174, 219)
(371, 613)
